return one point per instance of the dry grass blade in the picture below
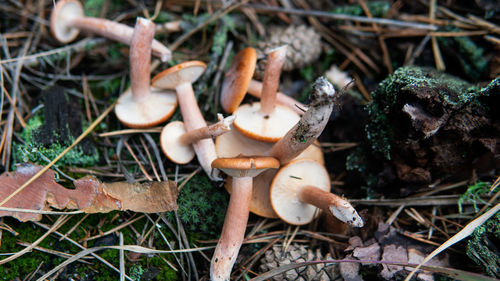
(133, 248)
(455, 274)
(60, 221)
(466, 231)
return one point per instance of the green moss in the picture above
(376, 8)
(166, 273)
(473, 194)
(481, 247)
(32, 151)
(467, 53)
(202, 206)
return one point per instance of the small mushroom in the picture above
(267, 121)
(141, 106)
(67, 19)
(180, 77)
(301, 187)
(176, 141)
(242, 169)
(238, 80)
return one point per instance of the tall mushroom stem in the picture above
(193, 119)
(276, 59)
(67, 18)
(233, 230)
(140, 59)
(212, 131)
(255, 89)
(329, 202)
(310, 125)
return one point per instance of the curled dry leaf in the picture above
(90, 195)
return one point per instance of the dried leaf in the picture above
(90, 195)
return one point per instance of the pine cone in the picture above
(295, 254)
(304, 46)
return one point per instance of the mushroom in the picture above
(141, 106)
(180, 77)
(242, 169)
(176, 141)
(296, 143)
(238, 81)
(301, 187)
(267, 121)
(67, 19)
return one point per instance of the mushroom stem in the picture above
(233, 230)
(255, 89)
(310, 125)
(193, 119)
(276, 59)
(329, 202)
(140, 59)
(212, 131)
(116, 31)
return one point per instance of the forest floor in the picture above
(413, 142)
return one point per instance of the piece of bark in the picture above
(90, 195)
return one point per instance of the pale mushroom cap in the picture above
(169, 140)
(156, 109)
(245, 166)
(251, 122)
(64, 11)
(286, 186)
(233, 143)
(237, 79)
(186, 72)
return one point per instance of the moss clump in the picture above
(33, 151)
(451, 92)
(466, 53)
(202, 207)
(482, 248)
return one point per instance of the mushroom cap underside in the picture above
(63, 12)
(251, 122)
(286, 187)
(186, 72)
(176, 151)
(156, 109)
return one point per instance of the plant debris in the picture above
(90, 195)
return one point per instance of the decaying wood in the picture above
(90, 195)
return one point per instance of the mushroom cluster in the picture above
(273, 170)
(295, 190)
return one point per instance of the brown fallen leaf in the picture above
(90, 195)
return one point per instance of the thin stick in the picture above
(78, 140)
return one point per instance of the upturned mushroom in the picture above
(300, 188)
(233, 143)
(267, 121)
(180, 78)
(176, 141)
(238, 81)
(142, 106)
(67, 19)
(242, 169)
